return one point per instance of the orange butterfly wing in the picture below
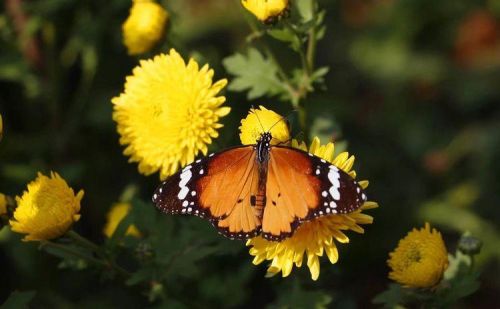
(225, 189)
(217, 187)
(300, 187)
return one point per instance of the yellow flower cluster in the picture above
(47, 209)
(266, 10)
(168, 113)
(116, 214)
(144, 26)
(313, 238)
(420, 259)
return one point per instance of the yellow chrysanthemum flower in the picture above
(262, 120)
(168, 113)
(115, 215)
(266, 10)
(317, 236)
(3, 204)
(47, 209)
(144, 26)
(420, 259)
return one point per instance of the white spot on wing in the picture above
(334, 177)
(185, 203)
(185, 177)
(182, 194)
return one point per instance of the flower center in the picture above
(413, 256)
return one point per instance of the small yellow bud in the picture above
(144, 27)
(266, 10)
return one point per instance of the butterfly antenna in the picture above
(282, 118)
(258, 119)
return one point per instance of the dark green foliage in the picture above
(388, 81)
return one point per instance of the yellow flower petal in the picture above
(115, 215)
(144, 26)
(3, 204)
(317, 236)
(167, 114)
(265, 10)
(420, 259)
(47, 209)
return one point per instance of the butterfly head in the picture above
(265, 138)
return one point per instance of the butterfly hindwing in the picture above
(300, 187)
(339, 194)
(219, 188)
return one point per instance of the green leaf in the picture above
(305, 9)
(254, 73)
(18, 300)
(143, 274)
(459, 280)
(391, 297)
(456, 265)
(318, 75)
(297, 297)
(286, 35)
(60, 251)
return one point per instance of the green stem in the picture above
(302, 53)
(472, 263)
(256, 34)
(84, 242)
(312, 41)
(303, 122)
(305, 62)
(47, 243)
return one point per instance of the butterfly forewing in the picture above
(179, 193)
(219, 188)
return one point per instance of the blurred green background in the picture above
(413, 92)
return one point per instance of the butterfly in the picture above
(259, 189)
